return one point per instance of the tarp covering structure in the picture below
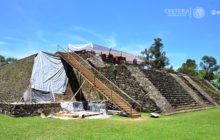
(48, 78)
(72, 106)
(49, 74)
(83, 106)
(98, 49)
(38, 96)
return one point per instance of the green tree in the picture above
(216, 81)
(189, 67)
(10, 60)
(171, 70)
(4, 61)
(209, 65)
(154, 56)
(146, 56)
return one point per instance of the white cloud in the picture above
(19, 54)
(23, 53)
(4, 53)
(26, 53)
(80, 39)
(10, 38)
(134, 48)
(109, 41)
(2, 42)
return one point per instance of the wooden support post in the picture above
(77, 91)
(80, 84)
(90, 90)
(51, 89)
(30, 92)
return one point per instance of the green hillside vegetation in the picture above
(15, 79)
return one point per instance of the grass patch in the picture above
(187, 126)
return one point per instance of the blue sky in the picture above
(30, 26)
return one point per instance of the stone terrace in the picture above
(171, 90)
(208, 89)
(196, 91)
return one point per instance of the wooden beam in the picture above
(30, 92)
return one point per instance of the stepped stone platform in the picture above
(206, 97)
(197, 91)
(190, 89)
(212, 92)
(123, 78)
(175, 94)
(154, 90)
(153, 93)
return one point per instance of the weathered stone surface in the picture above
(153, 93)
(24, 110)
(191, 91)
(208, 89)
(201, 91)
(171, 90)
(122, 77)
(203, 98)
(94, 60)
(211, 86)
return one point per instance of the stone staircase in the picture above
(201, 92)
(202, 97)
(175, 94)
(87, 71)
(189, 89)
(153, 93)
(205, 86)
(212, 92)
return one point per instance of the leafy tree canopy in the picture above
(4, 61)
(189, 67)
(209, 65)
(154, 56)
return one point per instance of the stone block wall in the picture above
(24, 110)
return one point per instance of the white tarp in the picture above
(104, 50)
(80, 47)
(38, 96)
(72, 106)
(49, 74)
